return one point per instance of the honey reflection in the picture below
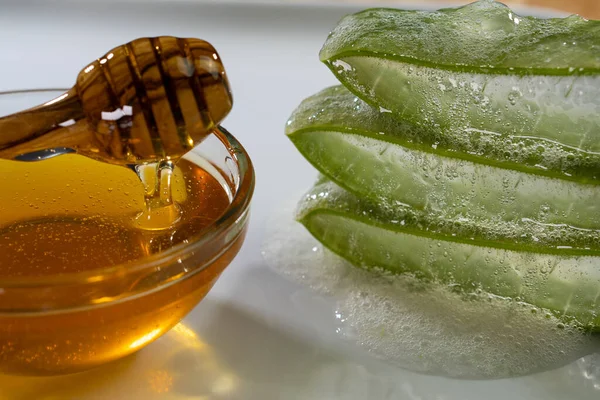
(188, 337)
(178, 366)
(147, 338)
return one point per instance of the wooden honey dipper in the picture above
(148, 100)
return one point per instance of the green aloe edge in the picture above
(402, 241)
(462, 148)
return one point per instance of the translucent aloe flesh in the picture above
(364, 234)
(377, 156)
(479, 70)
(335, 105)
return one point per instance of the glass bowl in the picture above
(69, 322)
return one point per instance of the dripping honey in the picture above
(71, 214)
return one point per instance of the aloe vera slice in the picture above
(480, 70)
(335, 105)
(365, 234)
(378, 157)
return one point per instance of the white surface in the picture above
(258, 335)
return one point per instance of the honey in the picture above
(71, 214)
(111, 231)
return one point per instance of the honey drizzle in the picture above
(161, 211)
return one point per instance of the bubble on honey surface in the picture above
(425, 328)
(58, 245)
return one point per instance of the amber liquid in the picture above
(72, 214)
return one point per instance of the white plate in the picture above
(256, 336)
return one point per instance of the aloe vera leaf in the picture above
(338, 108)
(373, 156)
(523, 235)
(476, 70)
(362, 233)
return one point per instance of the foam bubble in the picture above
(426, 328)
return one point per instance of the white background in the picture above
(256, 336)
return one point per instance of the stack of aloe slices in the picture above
(463, 148)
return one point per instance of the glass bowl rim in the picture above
(236, 210)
